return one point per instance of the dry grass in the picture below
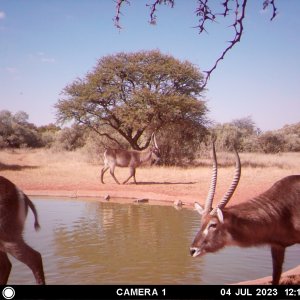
(43, 171)
(43, 168)
(256, 160)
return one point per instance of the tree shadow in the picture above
(13, 167)
(162, 183)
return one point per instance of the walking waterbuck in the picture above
(129, 158)
(13, 211)
(272, 218)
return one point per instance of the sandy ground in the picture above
(40, 173)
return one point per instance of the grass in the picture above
(42, 171)
(256, 160)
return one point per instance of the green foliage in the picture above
(69, 138)
(48, 134)
(291, 134)
(16, 131)
(179, 143)
(241, 133)
(244, 134)
(271, 142)
(127, 96)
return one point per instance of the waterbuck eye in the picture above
(212, 226)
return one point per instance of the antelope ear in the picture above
(220, 215)
(198, 207)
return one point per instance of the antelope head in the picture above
(155, 153)
(212, 234)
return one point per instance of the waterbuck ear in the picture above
(220, 215)
(198, 207)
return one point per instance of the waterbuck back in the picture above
(129, 158)
(13, 211)
(272, 218)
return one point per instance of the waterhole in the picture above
(92, 242)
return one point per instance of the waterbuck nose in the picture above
(195, 251)
(192, 251)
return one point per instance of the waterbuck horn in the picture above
(153, 138)
(234, 183)
(213, 182)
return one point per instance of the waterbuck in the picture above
(129, 158)
(272, 218)
(13, 211)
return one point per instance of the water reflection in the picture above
(125, 244)
(91, 242)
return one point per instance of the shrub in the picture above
(271, 142)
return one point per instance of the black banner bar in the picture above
(91, 292)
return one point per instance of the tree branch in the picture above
(153, 8)
(206, 14)
(238, 28)
(116, 19)
(272, 3)
(89, 125)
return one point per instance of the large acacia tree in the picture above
(127, 96)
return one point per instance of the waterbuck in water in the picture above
(272, 218)
(13, 211)
(129, 158)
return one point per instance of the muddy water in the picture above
(90, 242)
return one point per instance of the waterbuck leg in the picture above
(112, 173)
(25, 254)
(102, 173)
(5, 268)
(132, 173)
(277, 259)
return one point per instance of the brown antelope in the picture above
(272, 218)
(13, 211)
(129, 158)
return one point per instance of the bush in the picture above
(271, 142)
(241, 133)
(179, 145)
(17, 132)
(69, 138)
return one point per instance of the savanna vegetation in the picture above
(120, 103)
(125, 98)
(17, 133)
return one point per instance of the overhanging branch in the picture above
(206, 14)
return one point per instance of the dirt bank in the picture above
(41, 172)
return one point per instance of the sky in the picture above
(46, 45)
